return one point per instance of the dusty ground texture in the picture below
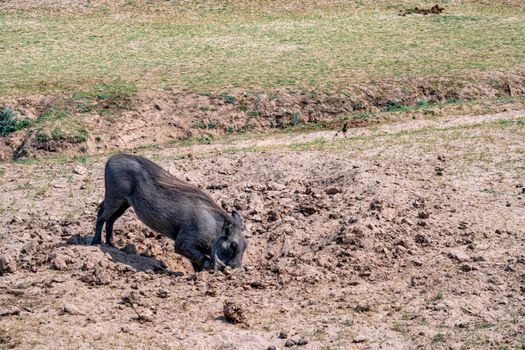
(403, 237)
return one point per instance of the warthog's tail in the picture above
(100, 208)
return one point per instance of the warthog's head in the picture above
(228, 249)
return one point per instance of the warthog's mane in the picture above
(177, 186)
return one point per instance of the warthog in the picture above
(203, 231)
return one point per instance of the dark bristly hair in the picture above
(171, 183)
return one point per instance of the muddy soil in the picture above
(411, 239)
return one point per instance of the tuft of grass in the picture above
(436, 298)
(228, 98)
(296, 119)
(57, 134)
(393, 106)
(80, 136)
(9, 124)
(205, 140)
(439, 338)
(254, 114)
(202, 125)
(42, 136)
(53, 113)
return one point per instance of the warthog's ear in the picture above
(236, 218)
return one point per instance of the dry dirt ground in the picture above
(407, 236)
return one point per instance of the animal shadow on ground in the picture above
(137, 262)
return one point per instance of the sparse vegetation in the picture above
(228, 98)
(439, 338)
(80, 136)
(8, 122)
(436, 298)
(42, 136)
(57, 134)
(205, 139)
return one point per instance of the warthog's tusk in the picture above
(217, 262)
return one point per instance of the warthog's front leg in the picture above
(186, 248)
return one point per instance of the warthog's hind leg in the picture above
(111, 221)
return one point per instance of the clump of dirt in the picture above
(234, 313)
(434, 10)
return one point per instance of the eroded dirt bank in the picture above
(405, 240)
(115, 116)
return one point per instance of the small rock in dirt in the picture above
(130, 249)
(144, 314)
(466, 268)
(271, 347)
(307, 210)
(375, 205)
(442, 158)
(332, 190)
(29, 247)
(423, 215)
(406, 221)
(234, 312)
(282, 335)
(462, 225)
(302, 341)
(216, 186)
(389, 214)
(59, 263)
(3, 263)
(162, 293)
(71, 309)
(256, 203)
(289, 343)
(417, 262)
(79, 170)
(333, 216)
(461, 324)
(11, 311)
(98, 277)
(274, 186)
(420, 239)
(459, 255)
(359, 339)
(273, 215)
(495, 280)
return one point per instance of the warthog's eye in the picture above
(234, 245)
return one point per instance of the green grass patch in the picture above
(436, 298)
(439, 338)
(9, 123)
(217, 46)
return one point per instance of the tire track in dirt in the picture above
(384, 129)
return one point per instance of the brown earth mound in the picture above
(67, 125)
(434, 10)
